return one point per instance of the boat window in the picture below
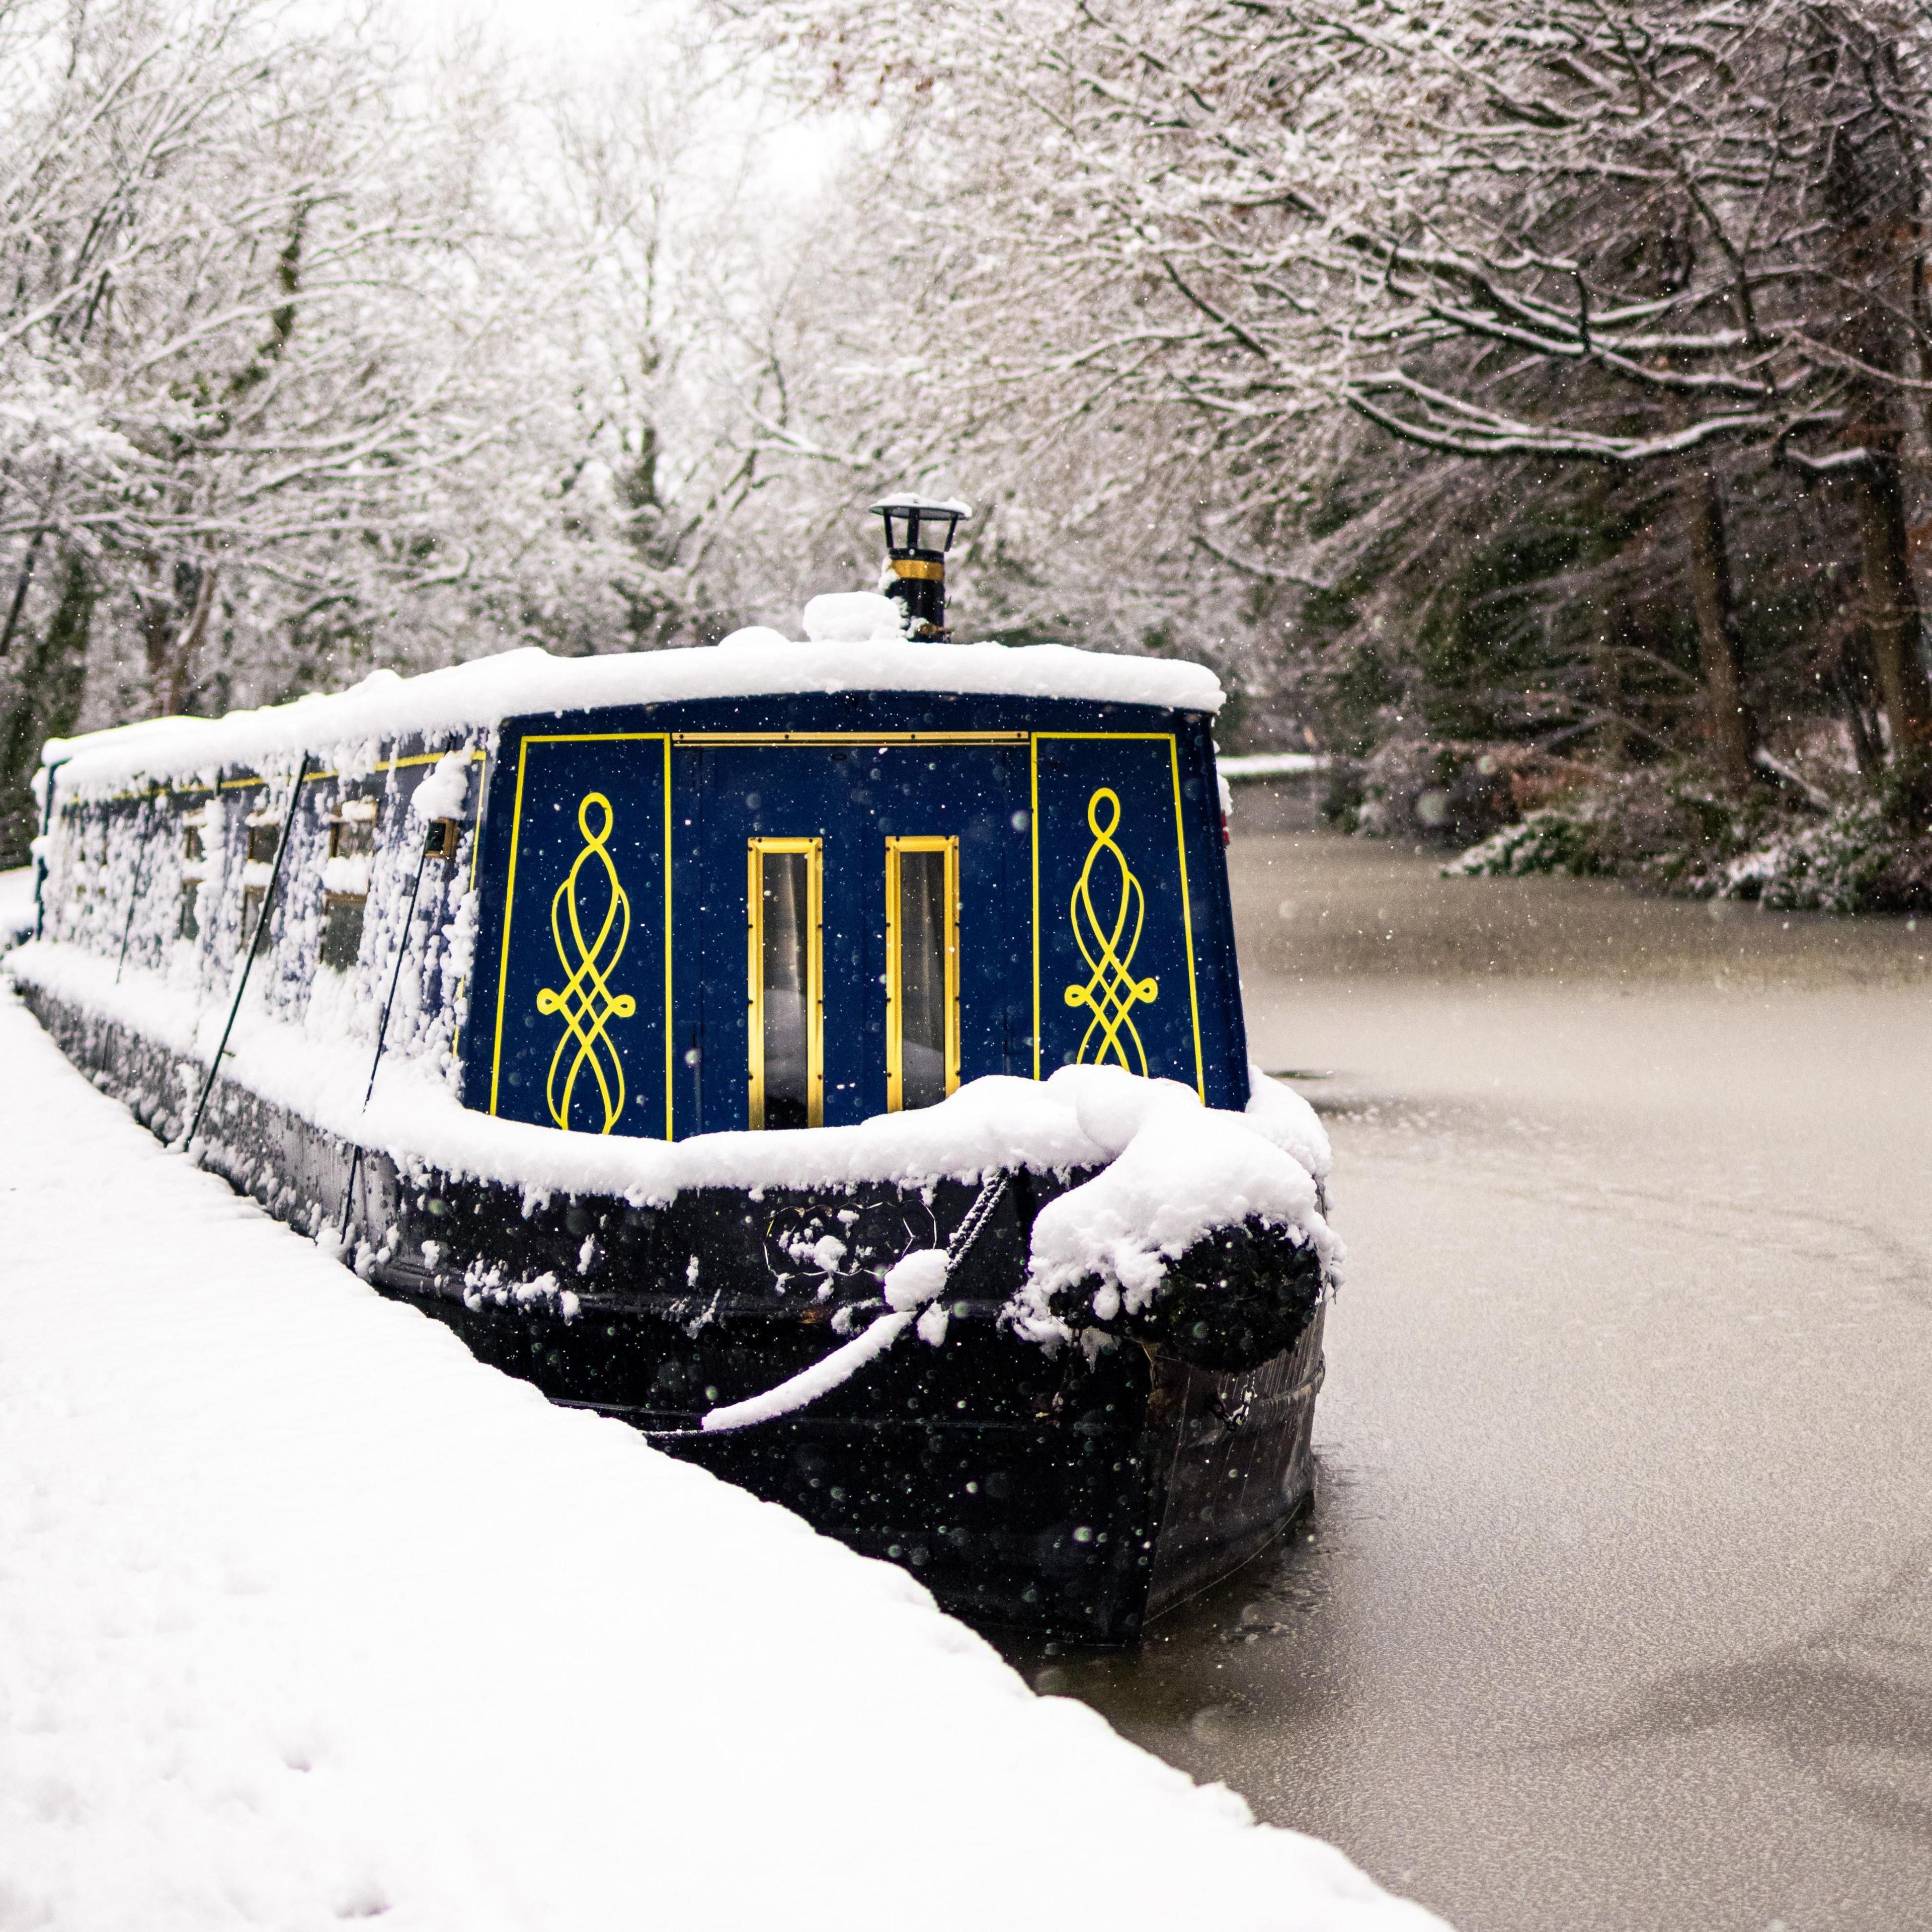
(922, 971)
(352, 832)
(342, 929)
(264, 836)
(345, 882)
(252, 897)
(783, 895)
(194, 854)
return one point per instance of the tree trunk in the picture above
(171, 642)
(1891, 606)
(23, 583)
(1729, 730)
(187, 646)
(1851, 678)
(1612, 736)
(48, 705)
(1870, 199)
(157, 626)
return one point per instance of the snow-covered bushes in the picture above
(1667, 829)
(1550, 840)
(1446, 791)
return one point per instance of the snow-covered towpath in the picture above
(306, 1617)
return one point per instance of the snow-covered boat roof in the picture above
(482, 693)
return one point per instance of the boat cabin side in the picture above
(811, 910)
(672, 919)
(170, 880)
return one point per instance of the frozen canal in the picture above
(1616, 1609)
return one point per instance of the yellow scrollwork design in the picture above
(586, 1001)
(1111, 992)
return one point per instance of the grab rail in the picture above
(433, 839)
(254, 946)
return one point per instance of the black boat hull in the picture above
(1072, 1495)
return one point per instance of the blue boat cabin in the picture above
(797, 911)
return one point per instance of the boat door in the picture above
(851, 916)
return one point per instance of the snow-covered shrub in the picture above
(1448, 792)
(1666, 828)
(1854, 861)
(1550, 840)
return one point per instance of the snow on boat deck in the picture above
(485, 691)
(306, 1616)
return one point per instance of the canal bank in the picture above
(1616, 1608)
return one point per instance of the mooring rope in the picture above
(801, 1390)
(992, 1191)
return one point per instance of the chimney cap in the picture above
(916, 523)
(911, 500)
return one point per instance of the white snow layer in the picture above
(305, 1615)
(385, 707)
(1177, 1170)
(997, 1121)
(1271, 765)
(443, 794)
(854, 617)
(16, 904)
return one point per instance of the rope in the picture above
(992, 1191)
(871, 1343)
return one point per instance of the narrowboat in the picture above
(827, 1056)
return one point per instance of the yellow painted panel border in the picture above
(895, 968)
(1168, 739)
(510, 893)
(814, 850)
(478, 755)
(724, 739)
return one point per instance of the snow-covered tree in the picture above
(1634, 235)
(318, 351)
